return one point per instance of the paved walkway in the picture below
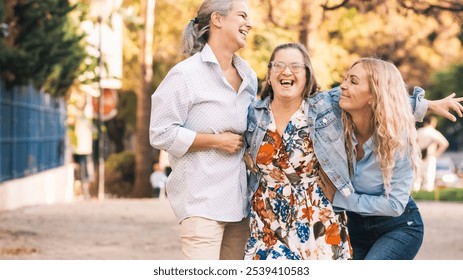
(136, 229)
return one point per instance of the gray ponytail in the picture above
(194, 40)
(196, 32)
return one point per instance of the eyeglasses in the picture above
(279, 66)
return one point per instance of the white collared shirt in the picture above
(195, 97)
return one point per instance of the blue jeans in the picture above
(386, 238)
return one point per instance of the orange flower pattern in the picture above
(290, 216)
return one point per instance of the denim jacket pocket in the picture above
(329, 127)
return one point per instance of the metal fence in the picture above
(32, 131)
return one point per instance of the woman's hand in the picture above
(326, 185)
(229, 142)
(443, 106)
(249, 163)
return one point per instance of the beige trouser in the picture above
(204, 239)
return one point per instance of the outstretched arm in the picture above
(442, 107)
(421, 105)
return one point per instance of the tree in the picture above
(142, 187)
(417, 38)
(42, 45)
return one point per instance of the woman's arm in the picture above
(228, 142)
(379, 203)
(170, 106)
(443, 106)
(421, 106)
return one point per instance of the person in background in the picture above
(158, 181)
(199, 117)
(432, 144)
(80, 127)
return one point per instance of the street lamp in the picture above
(100, 9)
(100, 114)
(109, 72)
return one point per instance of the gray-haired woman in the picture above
(199, 116)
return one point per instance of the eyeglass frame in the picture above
(301, 66)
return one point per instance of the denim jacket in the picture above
(326, 132)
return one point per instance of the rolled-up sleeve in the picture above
(381, 204)
(170, 104)
(419, 104)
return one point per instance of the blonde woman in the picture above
(380, 138)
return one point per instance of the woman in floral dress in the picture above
(290, 216)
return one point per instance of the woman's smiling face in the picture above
(285, 83)
(356, 94)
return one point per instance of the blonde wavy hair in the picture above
(393, 123)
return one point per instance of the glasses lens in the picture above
(296, 67)
(281, 66)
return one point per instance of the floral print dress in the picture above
(290, 216)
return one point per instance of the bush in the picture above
(120, 174)
(440, 194)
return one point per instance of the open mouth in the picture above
(287, 83)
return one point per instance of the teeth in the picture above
(286, 82)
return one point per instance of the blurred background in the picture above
(76, 79)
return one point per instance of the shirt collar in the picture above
(207, 55)
(367, 146)
(262, 104)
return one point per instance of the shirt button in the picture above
(324, 120)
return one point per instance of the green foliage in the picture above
(446, 81)
(125, 111)
(441, 194)
(2, 10)
(44, 46)
(120, 174)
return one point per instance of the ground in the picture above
(146, 229)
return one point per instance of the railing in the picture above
(32, 131)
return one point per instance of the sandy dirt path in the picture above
(146, 229)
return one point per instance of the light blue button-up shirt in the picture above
(195, 97)
(369, 198)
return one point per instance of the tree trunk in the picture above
(312, 14)
(143, 150)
